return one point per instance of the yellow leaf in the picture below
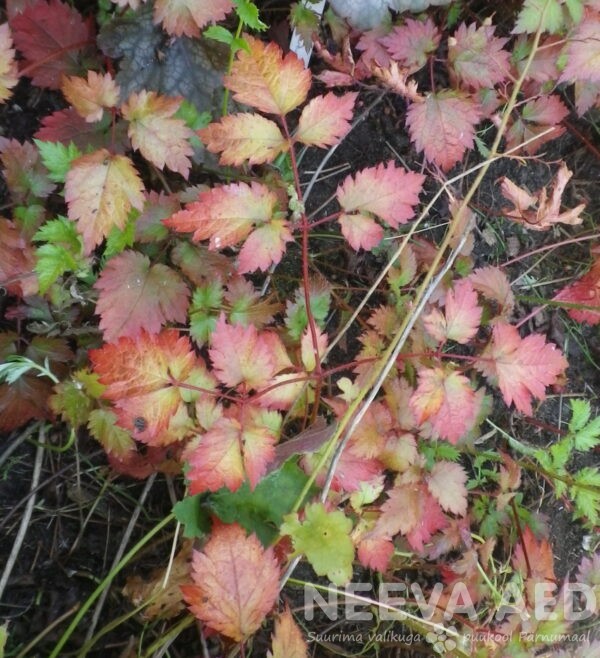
(100, 190)
(8, 67)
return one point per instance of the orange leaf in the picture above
(263, 78)
(135, 296)
(138, 376)
(9, 75)
(90, 97)
(236, 583)
(160, 138)
(287, 638)
(325, 120)
(100, 190)
(241, 137)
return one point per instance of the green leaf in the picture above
(192, 517)
(324, 537)
(585, 492)
(118, 240)
(114, 439)
(61, 231)
(535, 13)
(575, 8)
(193, 118)
(247, 12)
(71, 402)
(260, 511)
(588, 437)
(219, 33)
(57, 158)
(580, 415)
(561, 453)
(206, 303)
(52, 261)
(296, 319)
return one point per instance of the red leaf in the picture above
(326, 119)
(443, 126)
(17, 261)
(412, 43)
(586, 290)
(389, 192)
(536, 117)
(51, 36)
(242, 356)
(445, 399)
(69, 126)
(136, 296)
(521, 367)
(234, 449)
(236, 583)
(534, 559)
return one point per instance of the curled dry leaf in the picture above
(538, 212)
(161, 602)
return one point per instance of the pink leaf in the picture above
(326, 119)
(477, 56)
(412, 43)
(362, 232)
(264, 247)
(135, 295)
(521, 367)
(443, 126)
(241, 355)
(446, 400)
(387, 191)
(585, 291)
(461, 317)
(446, 483)
(583, 52)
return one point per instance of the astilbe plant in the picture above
(190, 361)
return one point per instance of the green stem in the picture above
(106, 583)
(232, 52)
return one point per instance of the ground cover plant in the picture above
(337, 378)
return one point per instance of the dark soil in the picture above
(82, 509)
